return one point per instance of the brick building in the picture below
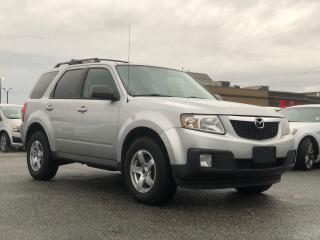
(256, 95)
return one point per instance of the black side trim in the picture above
(94, 162)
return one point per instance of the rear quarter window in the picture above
(42, 85)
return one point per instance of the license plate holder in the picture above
(263, 155)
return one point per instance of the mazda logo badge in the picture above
(259, 122)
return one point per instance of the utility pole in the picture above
(1, 79)
(7, 91)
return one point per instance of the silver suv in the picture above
(10, 122)
(157, 126)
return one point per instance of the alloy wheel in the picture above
(3, 142)
(142, 171)
(36, 155)
(309, 156)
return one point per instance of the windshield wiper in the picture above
(151, 95)
(13, 117)
(195, 97)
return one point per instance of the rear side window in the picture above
(69, 85)
(97, 77)
(42, 85)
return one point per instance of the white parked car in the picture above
(10, 122)
(305, 126)
(277, 109)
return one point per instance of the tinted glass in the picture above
(97, 77)
(155, 81)
(305, 114)
(42, 85)
(69, 85)
(11, 112)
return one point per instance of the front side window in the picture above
(11, 112)
(156, 81)
(302, 114)
(42, 85)
(69, 85)
(97, 77)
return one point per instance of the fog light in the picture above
(205, 160)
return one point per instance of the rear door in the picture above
(61, 109)
(96, 119)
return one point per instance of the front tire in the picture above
(41, 165)
(254, 190)
(4, 142)
(305, 155)
(148, 172)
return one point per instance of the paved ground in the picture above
(85, 203)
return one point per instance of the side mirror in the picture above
(104, 92)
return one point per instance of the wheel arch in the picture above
(4, 131)
(314, 141)
(35, 126)
(135, 134)
(8, 134)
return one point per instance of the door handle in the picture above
(82, 109)
(49, 107)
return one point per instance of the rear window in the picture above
(69, 85)
(42, 85)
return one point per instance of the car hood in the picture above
(14, 121)
(205, 106)
(300, 125)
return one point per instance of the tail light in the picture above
(23, 111)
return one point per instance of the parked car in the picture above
(305, 125)
(158, 126)
(277, 109)
(10, 122)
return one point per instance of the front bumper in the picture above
(179, 140)
(229, 172)
(16, 140)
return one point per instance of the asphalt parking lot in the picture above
(86, 203)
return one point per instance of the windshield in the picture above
(11, 112)
(163, 82)
(310, 114)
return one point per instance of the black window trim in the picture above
(84, 71)
(85, 77)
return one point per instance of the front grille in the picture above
(249, 130)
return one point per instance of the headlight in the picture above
(205, 123)
(294, 131)
(285, 127)
(15, 128)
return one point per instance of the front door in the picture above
(96, 119)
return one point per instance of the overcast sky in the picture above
(275, 43)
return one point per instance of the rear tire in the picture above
(305, 155)
(148, 172)
(41, 165)
(5, 145)
(254, 190)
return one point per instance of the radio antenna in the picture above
(129, 49)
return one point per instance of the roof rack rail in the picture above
(87, 60)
